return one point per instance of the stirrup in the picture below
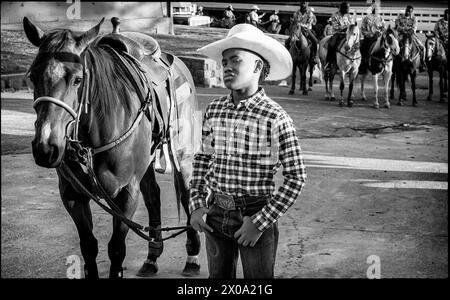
(168, 165)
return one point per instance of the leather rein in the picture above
(84, 155)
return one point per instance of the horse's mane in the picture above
(112, 81)
(440, 50)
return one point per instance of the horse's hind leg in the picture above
(341, 88)
(127, 201)
(311, 69)
(192, 266)
(303, 79)
(78, 207)
(430, 84)
(441, 86)
(294, 71)
(363, 94)
(151, 194)
(413, 87)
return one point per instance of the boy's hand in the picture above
(197, 221)
(248, 234)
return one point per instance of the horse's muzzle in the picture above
(46, 155)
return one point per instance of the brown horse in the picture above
(406, 64)
(436, 60)
(91, 96)
(300, 53)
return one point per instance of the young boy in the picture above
(246, 136)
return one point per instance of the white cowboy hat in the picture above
(230, 7)
(255, 7)
(247, 36)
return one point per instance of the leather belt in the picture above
(229, 202)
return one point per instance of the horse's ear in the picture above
(33, 32)
(87, 37)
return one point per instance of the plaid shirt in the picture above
(441, 30)
(307, 19)
(242, 149)
(341, 22)
(372, 24)
(404, 23)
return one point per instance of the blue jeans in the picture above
(222, 248)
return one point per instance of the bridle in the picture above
(84, 155)
(387, 48)
(352, 48)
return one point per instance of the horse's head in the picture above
(406, 42)
(297, 37)
(57, 75)
(391, 41)
(430, 46)
(352, 36)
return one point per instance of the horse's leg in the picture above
(331, 78)
(441, 86)
(78, 207)
(413, 87)
(350, 96)
(294, 71)
(192, 266)
(376, 104)
(151, 194)
(391, 92)
(311, 69)
(401, 85)
(341, 88)
(127, 201)
(326, 80)
(430, 84)
(363, 94)
(303, 78)
(386, 78)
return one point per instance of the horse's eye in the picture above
(77, 81)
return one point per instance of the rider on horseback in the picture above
(372, 27)
(305, 18)
(407, 24)
(229, 18)
(441, 30)
(340, 22)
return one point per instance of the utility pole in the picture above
(169, 14)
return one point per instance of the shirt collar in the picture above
(249, 102)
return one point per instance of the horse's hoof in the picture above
(191, 269)
(341, 103)
(363, 99)
(305, 93)
(377, 106)
(400, 103)
(387, 106)
(310, 89)
(327, 98)
(116, 274)
(429, 98)
(148, 269)
(291, 92)
(349, 103)
(333, 98)
(414, 104)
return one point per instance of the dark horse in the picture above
(70, 69)
(300, 53)
(436, 60)
(406, 64)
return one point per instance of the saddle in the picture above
(156, 66)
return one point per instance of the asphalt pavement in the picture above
(375, 201)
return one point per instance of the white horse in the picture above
(380, 62)
(348, 59)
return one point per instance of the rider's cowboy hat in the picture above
(246, 36)
(230, 7)
(255, 7)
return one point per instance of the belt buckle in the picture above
(225, 201)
